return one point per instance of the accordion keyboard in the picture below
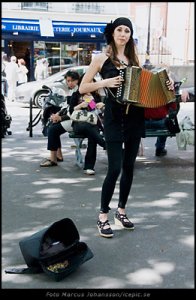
(120, 89)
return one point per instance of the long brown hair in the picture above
(130, 53)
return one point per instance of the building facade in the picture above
(34, 30)
(171, 29)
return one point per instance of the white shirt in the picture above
(22, 74)
(11, 71)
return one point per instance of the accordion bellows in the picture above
(146, 88)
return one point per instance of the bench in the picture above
(158, 132)
(154, 133)
(78, 139)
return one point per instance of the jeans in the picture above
(157, 124)
(54, 132)
(94, 138)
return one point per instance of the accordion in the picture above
(144, 88)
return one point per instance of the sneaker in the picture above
(123, 221)
(105, 232)
(161, 152)
(89, 172)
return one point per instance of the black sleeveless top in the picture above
(120, 123)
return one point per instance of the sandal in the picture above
(122, 220)
(107, 232)
(48, 163)
(59, 159)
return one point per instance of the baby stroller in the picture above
(5, 119)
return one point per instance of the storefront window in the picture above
(63, 55)
(85, 52)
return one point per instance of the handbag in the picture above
(84, 115)
(171, 122)
(55, 250)
(186, 136)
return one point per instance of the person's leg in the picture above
(54, 141)
(56, 155)
(160, 146)
(10, 90)
(90, 131)
(59, 154)
(91, 154)
(114, 152)
(94, 138)
(14, 90)
(160, 142)
(129, 157)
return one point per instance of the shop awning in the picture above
(52, 28)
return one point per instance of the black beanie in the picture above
(110, 27)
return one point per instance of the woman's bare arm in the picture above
(87, 85)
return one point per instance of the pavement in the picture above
(157, 255)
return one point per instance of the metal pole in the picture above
(147, 64)
(31, 118)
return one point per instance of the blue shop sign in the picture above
(59, 27)
(20, 25)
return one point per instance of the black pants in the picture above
(54, 132)
(94, 138)
(119, 159)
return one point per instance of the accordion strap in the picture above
(30, 270)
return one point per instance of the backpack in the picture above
(55, 250)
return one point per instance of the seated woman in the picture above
(88, 101)
(61, 123)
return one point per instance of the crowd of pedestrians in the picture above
(14, 73)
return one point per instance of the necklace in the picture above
(123, 63)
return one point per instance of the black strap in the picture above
(30, 270)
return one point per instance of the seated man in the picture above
(155, 119)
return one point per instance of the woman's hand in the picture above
(84, 104)
(100, 105)
(170, 84)
(81, 105)
(185, 95)
(113, 82)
